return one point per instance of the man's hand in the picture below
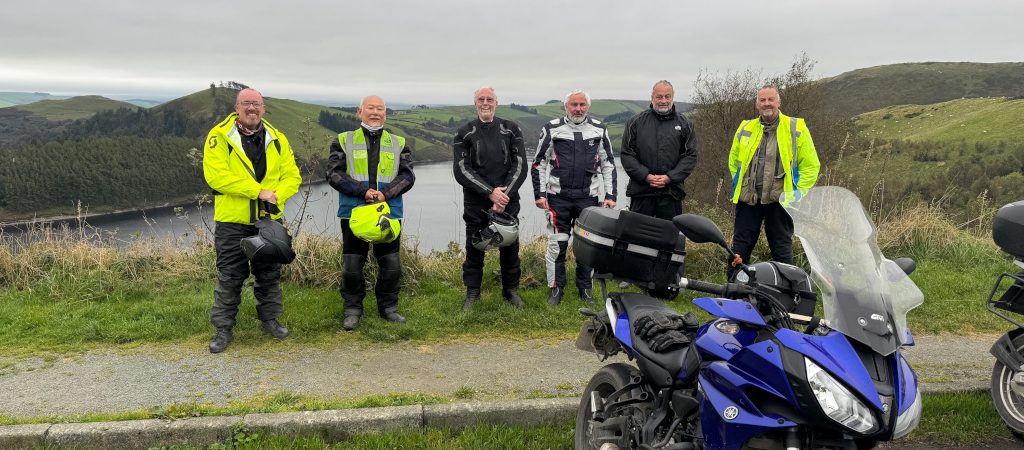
(608, 204)
(736, 260)
(373, 196)
(657, 181)
(497, 208)
(268, 196)
(542, 203)
(498, 196)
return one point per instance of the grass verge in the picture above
(66, 291)
(960, 419)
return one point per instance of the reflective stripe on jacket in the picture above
(793, 138)
(229, 172)
(353, 143)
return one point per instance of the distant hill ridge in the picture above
(863, 90)
(80, 107)
(21, 98)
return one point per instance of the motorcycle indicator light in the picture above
(838, 402)
(727, 326)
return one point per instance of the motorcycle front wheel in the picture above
(606, 381)
(1008, 402)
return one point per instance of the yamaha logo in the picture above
(730, 413)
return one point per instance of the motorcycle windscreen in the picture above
(864, 295)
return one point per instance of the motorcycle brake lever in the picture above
(588, 312)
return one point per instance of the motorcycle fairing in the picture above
(906, 383)
(726, 423)
(738, 310)
(765, 360)
(716, 345)
(834, 353)
(623, 331)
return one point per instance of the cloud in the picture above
(439, 51)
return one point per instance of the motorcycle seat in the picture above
(679, 364)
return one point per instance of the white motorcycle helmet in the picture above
(502, 230)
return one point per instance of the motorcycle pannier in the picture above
(1008, 229)
(629, 246)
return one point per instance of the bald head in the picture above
(248, 93)
(372, 111)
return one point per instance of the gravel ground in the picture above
(148, 377)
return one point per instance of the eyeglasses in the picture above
(253, 104)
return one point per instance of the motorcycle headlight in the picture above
(838, 402)
(907, 421)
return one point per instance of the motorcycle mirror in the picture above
(908, 265)
(700, 229)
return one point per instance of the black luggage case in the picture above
(1008, 229)
(629, 246)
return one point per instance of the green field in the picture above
(970, 119)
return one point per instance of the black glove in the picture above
(669, 340)
(656, 323)
(269, 208)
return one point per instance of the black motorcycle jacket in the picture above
(488, 155)
(658, 144)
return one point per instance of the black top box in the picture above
(1008, 229)
(629, 246)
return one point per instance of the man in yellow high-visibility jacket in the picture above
(247, 162)
(370, 165)
(771, 155)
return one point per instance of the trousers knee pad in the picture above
(390, 268)
(352, 279)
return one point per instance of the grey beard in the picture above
(575, 120)
(369, 128)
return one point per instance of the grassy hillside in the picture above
(961, 154)
(864, 90)
(22, 98)
(972, 120)
(73, 108)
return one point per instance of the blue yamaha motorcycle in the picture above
(765, 373)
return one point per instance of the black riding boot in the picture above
(389, 277)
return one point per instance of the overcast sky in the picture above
(434, 51)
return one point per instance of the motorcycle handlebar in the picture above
(728, 290)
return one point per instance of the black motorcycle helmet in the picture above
(271, 244)
(791, 281)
